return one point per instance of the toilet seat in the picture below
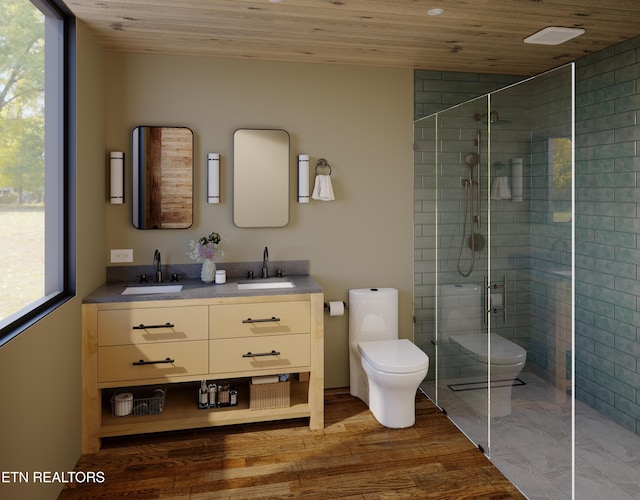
(503, 351)
(394, 356)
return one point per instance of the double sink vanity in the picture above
(181, 338)
(175, 335)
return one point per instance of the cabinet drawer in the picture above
(232, 355)
(255, 320)
(141, 326)
(117, 362)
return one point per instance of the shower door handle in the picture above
(478, 201)
(487, 299)
(485, 292)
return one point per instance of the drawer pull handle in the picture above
(143, 362)
(259, 354)
(272, 319)
(142, 326)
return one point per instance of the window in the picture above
(35, 135)
(560, 175)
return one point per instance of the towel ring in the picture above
(498, 166)
(322, 163)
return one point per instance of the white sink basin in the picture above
(140, 290)
(265, 284)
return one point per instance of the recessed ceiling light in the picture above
(553, 35)
(435, 12)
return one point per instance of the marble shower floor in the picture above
(532, 446)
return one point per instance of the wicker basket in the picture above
(266, 396)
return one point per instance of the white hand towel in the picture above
(323, 189)
(500, 189)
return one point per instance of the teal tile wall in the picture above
(436, 91)
(539, 108)
(607, 225)
(607, 204)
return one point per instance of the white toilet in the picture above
(460, 323)
(385, 371)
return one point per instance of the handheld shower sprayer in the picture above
(476, 242)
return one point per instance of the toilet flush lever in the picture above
(487, 299)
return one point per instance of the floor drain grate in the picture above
(474, 386)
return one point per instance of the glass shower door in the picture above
(461, 384)
(530, 200)
(494, 267)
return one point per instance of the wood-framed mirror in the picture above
(162, 177)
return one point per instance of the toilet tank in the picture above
(459, 310)
(373, 314)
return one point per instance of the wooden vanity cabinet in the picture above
(136, 344)
(177, 343)
(261, 338)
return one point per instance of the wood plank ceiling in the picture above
(480, 36)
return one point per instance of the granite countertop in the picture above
(196, 289)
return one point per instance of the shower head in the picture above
(472, 159)
(494, 117)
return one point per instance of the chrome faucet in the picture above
(156, 260)
(265, 261)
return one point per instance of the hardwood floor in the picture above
(353, 457)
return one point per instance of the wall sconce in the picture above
(213, 178)
(116, 175)
(303, 178)
(516, 179)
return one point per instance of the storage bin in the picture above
(266, 396)
(135, 401)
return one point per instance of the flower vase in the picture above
(208, 272)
